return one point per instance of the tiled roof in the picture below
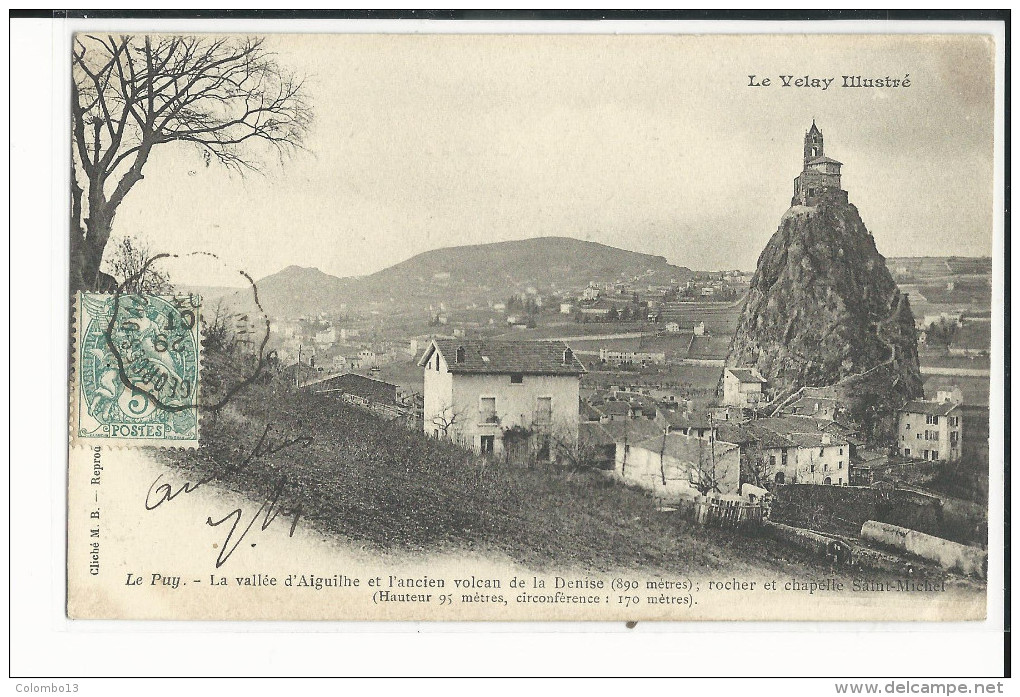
(824, 160)
(616, 408)
(696, 419)
(768, 438)
(746, 374)
(632, 430)
(924, 407)
(811, 405)
(681, 447)
(487, 357)
(805, 432)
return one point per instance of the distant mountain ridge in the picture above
(464, 274)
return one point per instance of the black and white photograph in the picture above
(664, 328)
(530, 327)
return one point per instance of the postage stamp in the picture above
(137, 367)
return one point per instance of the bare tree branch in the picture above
(227, 96)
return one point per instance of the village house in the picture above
(674, 465)
(932, 430)
(742, 387)
(802, 450)
(505, 398)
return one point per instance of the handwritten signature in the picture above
(161, 492)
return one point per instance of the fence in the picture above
(721, 513)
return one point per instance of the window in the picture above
(841, 451)
(906, 452)
(908, 425)
(437, 363)
(924, 454)
(786, 457)
(821, 452)
(488, 409)
(487, 444)
(954, 421)
(772, 460)
(934, 454)
(812, 468)
(825, 467)
(840, 465)
(919, 434)
(516, 379)
(543, 413)
(935, 420)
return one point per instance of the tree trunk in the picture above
(87, 253)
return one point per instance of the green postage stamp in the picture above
(137, 369)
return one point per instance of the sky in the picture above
(652, 143)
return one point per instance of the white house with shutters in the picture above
(512, 398)
(932, 430)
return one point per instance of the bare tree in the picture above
(758, 466)
(131, 94)
(218, 329)
(707, 475)
(131, 261)
(572, 449)
(445, 419)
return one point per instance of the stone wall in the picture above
(844, 509)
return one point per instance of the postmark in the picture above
(137, 368)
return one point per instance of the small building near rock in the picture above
(742, 387)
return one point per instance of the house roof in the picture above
(589, 412)
(824, 160)
(803, 431)
(925, 407)
(812, 405)
(616, 408)
(497, 357)
(767, 438)
(697, 419)
(683, 447)
(631, 431)
(746, 375)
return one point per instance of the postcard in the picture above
(532, 326)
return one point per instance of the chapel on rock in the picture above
(819, 180)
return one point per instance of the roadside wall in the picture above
(844, 509)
